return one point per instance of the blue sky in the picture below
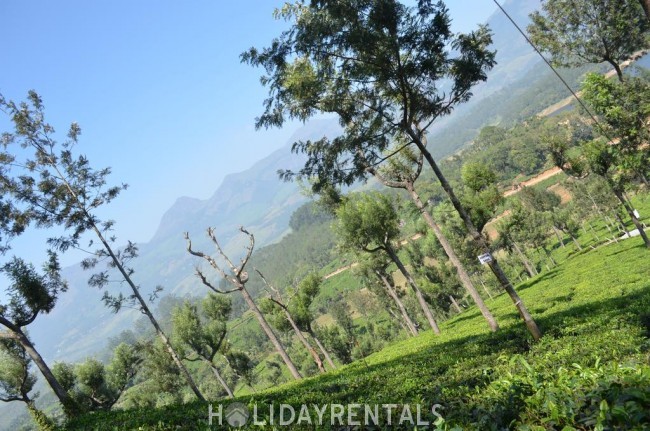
(157, 88)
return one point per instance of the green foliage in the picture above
(624, 109)
(481, 195)
(367, 222)
(582, 31)
(16, 380)
(204, 330)
(590, 368)
(380, 74)
(96, 386)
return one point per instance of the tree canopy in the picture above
(575, 32)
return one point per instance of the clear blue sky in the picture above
(157, 88)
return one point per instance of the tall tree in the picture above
(238, 277)
(402, 171)
(575, 32)
(60, 189)
(368, 222)
(381, 67)
(618, 161)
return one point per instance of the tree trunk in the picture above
(485, 288)
(327, 356)
(456, 306)
(400, 321)
(478, 238)
(621, 223)
(630, 212)
(221, 380)
(400, 305)
(418, 293)
(617, 68)
(269, 333)
(42, 421)
(145, 309)
(549, 256)
(303, 340)
(593, 231)
(559, 237)
(455, 261)
(530, 269)
(575, 241)
(69, 405)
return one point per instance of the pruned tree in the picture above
(204, 331)
(401, 171)
(368, 222)
(575, 32)
(237, 277)
(381, 67)
(96, 386)
(375, 270)
(58, 189)
(277, 302)
(301, 308)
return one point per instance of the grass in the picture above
(591, 368)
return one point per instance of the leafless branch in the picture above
(249, 249)
(205, 281)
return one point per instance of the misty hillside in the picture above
(258, 200)
(254, 198)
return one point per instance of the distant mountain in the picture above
(254, 198)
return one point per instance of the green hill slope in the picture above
(592, 366)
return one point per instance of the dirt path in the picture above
(531, 182)
(568, 100)
(535, 180)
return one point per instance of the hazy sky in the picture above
(157, 87)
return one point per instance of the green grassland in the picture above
(591, 370)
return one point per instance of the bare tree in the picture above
(238, 278)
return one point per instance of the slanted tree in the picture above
(575, 32)
(368, 222)
(375, 268)
(204, 331)
(401, 171)
(17, 381)
(608, 161)
(278, 307)
(511, 239)
(380, 67)
(59, 189)
(238, 277)
(300, 307)
(29, 295)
